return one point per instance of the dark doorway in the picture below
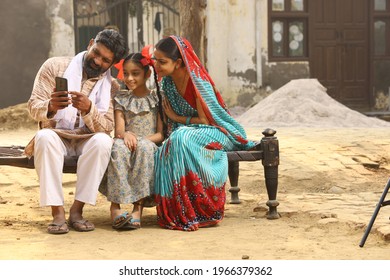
(339, 49)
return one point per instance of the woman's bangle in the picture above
(188, 120)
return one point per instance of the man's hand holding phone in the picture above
(59, 99)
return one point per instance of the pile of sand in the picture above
(304, 103)
(15, 117)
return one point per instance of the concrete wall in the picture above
(237, 33)
(32, 31)
(61, 17)
(231, 54)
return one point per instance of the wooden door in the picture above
(339, 49)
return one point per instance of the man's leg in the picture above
(49, 154)
(94, 155)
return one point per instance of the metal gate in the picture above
(141, 22)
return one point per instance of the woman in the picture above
(191, 166)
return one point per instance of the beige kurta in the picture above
(38, 103)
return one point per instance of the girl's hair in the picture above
(145, 63)
(136, 58)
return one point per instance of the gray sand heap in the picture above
(304, 103)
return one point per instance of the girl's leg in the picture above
(137, 213)
(115, 210)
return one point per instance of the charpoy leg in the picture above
(234, 168)
(270, 147)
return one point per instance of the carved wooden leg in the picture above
(271, 183)
(233, 178)
(270, 147)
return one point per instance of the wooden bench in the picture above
(267, 150)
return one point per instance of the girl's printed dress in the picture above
(191, 166)
(130, 175)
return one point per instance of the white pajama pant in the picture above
(49, 151)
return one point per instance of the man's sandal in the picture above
(82, 225)
(55, 228)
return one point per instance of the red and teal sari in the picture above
(191, 167)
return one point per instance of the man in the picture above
(75, 122)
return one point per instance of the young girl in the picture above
(138, 128)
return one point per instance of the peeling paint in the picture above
(60, 13)
(248, 76)
(252, 96)
(254, 59)
(277, 74)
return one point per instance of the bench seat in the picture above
(267, 150)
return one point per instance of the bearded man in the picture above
(75, 122)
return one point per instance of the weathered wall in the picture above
(25, 45)
(217, 39)
(275, 75)
(237, 33)
(32, 31)
(61, 17)
(232, 47)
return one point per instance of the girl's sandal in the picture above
(121, 220)
(134, 223)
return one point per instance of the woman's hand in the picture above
(168, 110)
(130, 140)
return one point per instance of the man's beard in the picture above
(91, 71)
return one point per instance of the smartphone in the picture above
(61, 84)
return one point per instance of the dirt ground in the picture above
(326, 194)
(329, 183)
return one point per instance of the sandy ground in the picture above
(329, 183)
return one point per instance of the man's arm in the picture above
(44, 84)
(39, 103)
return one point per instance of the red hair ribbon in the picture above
(119, 66)
(147, 54)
